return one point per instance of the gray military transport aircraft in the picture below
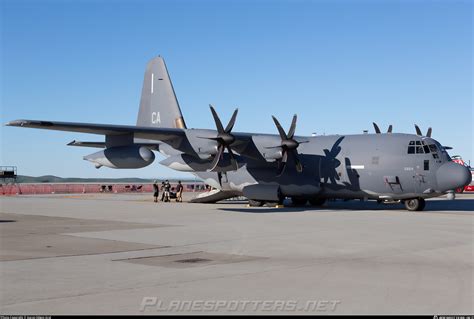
(267, 168)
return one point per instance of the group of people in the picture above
(166, 191)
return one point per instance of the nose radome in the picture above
(452, 175)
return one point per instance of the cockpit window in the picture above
(426, 148)
(434, 151)
(444, 153)
(418, 147)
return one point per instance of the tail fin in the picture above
(158, 105)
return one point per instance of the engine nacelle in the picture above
(273, 154)
(262, 142)
(188, 163)
(207, 150)
(131, 156)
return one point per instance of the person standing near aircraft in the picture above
(162, 191)
(179, 192)
(167, 191)
(156, 191)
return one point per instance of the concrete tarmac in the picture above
(124, 254)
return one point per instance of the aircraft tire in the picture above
(255, 203)
(298, 201)
(415, 204)
(317, 201)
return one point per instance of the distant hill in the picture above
(56, 179)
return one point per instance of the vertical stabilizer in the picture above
(158, 104)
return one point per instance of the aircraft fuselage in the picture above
(373, 166)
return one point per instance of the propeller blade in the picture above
(428, 134)
(220, 128)
(219, 177)
(230, 126)
(233, 161)
(217, 158)
(282, 164)
(284, 158)
(224, 139)
(390, 127)
(281, 169)
(292, 130)
(288, 146)
(376, 127)
(418, 131)
(209, 138)
(280, 129)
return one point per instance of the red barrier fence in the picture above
(83, 188)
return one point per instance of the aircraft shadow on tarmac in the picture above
(464, 205)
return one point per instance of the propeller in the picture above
(418, 131)
(288, 145)
(377, 129)
(224, 139)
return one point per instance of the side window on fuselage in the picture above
(411, 147)
(426, 165)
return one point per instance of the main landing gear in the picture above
(296, 201)
(256, 203)
(415, 204)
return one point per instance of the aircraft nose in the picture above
(452, 175)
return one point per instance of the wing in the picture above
(249, 145)
(175, 137)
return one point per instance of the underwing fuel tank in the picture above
(131, 156)
(188, 163)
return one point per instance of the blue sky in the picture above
(338, 64)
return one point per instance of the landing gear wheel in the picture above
(297, 201)
(255, 203)
(317, 201)
(415, 204)
(275, 204)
